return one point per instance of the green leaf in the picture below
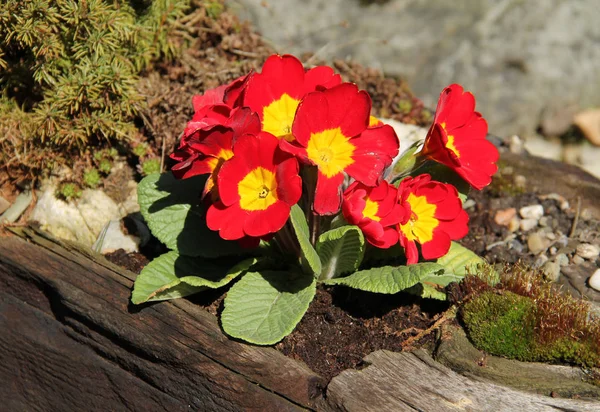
(341, 251)
(171, 208)
(387, 279)
(431, 286)
(310, 258)
(172, 276)
(459, 259)
(263, 308)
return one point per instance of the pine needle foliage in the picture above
(68, 69)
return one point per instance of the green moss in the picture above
(150, 166)
(69, 191)
(105, 165)
(214, 9)
(504, 184)
(141, 149)
(405, 106)
(501, 324)
(91, 178)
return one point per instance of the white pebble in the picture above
(594, 280)
(528, 224)
(532, 212)
(588, 251)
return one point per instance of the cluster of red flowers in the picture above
(253, 136)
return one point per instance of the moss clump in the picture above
(150, 166)
(69, 191)
(91, 178)
(501, 324)
(524, 317)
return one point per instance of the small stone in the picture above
(561, 259)
(517, 246)
(577, 260)
(504, 216)
(540, 261)
(571, 154)
(594, 280)
(532, 212)
(588, 122)
(514, 224)
(528, 224)
(550, 236)
(553, 250)
(588, 251)
(516, 144)
(543, 221)
(551, 271)
(537, 244)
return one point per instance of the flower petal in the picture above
(328, 195)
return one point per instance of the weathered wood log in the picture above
(71, 341)
(415, 382)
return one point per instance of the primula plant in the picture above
(284, 180)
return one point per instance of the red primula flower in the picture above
(205, 150)
(332, 133)
(257, 187)
(436, 217)
(376, 211)
(457, 138)
(276, 92)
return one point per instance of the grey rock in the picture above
(551, 271)
(510, 53)
(4, 204)
(561, 259)
(113, 237)
(588, 251)
(577, 260)
(540, 261)
(532, 212)
(516, 245)
(20, 205)
(537, 243)
(527, 224)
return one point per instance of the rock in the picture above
(4, 204)
(551, 271)
(577, 260)
(483, 45)
(563, 203)
(543, 221)
(515, 144)
(20, 205)
(514, 224)
(516, 245)
(469, 203)
(537, 243)
(588, 122)
(553, 250)
(80, 221)
(561, 259)
(594, 280)
(557, 118)
(540, 261)
(532, 212)
(504, 216)
(520, 181)
(528, 224)
(588, 251)
(113, 237)
(571, 154)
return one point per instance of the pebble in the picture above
(532, 212)
(504, 216)
(588, 251)
(517, 246)
(594, 280)
(516, 144)
(536, 243)
(540, 261)
(543, 221)
(588, 122)
(520, 181)
(553, 250)
(514, 224)
(563, 203)
(528, 224)
(14, 212)
(550, 236)
(551, 271)
(578, 260)
(561, 259)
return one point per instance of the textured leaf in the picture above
(341, 251)
(263, 308)
(387, 279)
(172, 276)
(171, 209)
(458, 259)
(431, 286)
(310, 258)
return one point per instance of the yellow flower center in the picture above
(450, 143)
(370, 210)
(258, 190)
(373, 121)
(279, 116)
(330, 150)
(215, 164)
(422, 221)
